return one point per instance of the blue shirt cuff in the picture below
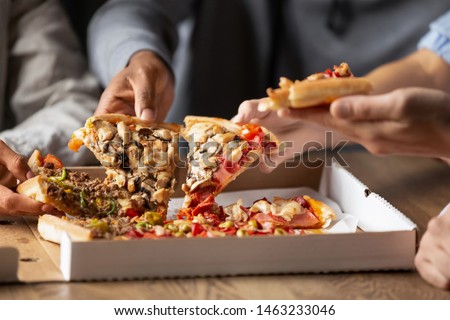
(438, 38)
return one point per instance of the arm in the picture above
(423, 68)
(51, 92)
(131, 44)
(405, 121)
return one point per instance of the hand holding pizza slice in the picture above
(317, 89)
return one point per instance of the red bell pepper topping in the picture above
(57, 164)
(131, 213)
(252, 132)
(134, 234)
(196, 229)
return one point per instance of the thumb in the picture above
(144, 102)
(148, 114)
(15, 163)
(363, 108)
(248, 111)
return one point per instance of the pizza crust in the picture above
(128, 120)
(51, 228)
(310, 93)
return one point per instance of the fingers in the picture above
(319, 115)
(6, 178)
(12, 203)
(248, 111)
(118, 97)
(401, 104)
(363, 108)
(15, 163)
(433, 258)
(145, 88)
(153, 85)
(429, 273)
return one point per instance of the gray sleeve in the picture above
(121, 28)
(50, 93)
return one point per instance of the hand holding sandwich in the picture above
(14, 168)
(145, 88)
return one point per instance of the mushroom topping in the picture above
(148, 185)
(124, 132)
(133, 154)
(161, 196)
(163, 134)
(105, 130)
(163, 179)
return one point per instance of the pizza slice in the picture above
(219, 151)
(139, 156)
(300, 212)
(317, 89)
(72, 192)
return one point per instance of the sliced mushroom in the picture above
(131, 186)
(138, 200)
(148, 185)
(117, 176)
(163, 134)
(161, 196)
(124, 132)
(163, 179)
(133, 154)
(105, 130)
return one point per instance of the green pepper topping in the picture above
(112, 209)
(99, 225)
(61, 178)
(142, 224)
(153, 218)
(82, 201)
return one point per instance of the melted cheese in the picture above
(286, 208)
(235, 212)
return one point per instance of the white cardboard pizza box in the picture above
(386, 241)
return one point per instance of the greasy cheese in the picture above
(286, 208)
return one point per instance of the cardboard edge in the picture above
(65, 263)
(342, 256)
(324, 186)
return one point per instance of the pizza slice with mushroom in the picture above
(139, 157)
(219, 151)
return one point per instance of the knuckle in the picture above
(18, 161)
(362, 110)
(401, 99)
(7, 203)
(434, 226)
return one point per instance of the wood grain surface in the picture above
(418, 187)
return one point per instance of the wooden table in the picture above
(420, 188)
